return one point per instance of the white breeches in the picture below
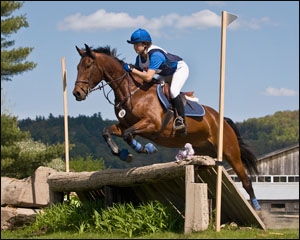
(178, 79)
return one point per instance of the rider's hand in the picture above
(127, 67)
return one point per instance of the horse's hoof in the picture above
(125, 156)
(129, 158)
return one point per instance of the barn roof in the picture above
(279, 151)
(267, 155)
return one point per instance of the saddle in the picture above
(166, 92)
(191, 106)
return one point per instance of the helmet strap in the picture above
(145, 47)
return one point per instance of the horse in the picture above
(140, 112)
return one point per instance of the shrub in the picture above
(124, 218)
(80, 164)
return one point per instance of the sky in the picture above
(262, 52)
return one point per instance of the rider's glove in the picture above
(127, 67)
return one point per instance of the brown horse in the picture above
(140, 112)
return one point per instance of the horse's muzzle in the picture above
(79, 94)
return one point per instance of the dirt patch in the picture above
(274, 221)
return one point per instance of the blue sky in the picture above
(262, 52)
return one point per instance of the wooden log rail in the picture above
(87, 181)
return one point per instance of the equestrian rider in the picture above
(152, 60)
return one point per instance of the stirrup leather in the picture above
(178, 123)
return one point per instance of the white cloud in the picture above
(270, 91)
(104, 20)
(202, 19)
(111, 20)
(100, 19)
(253, 24)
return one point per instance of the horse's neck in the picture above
(112, 72)
(123, 87)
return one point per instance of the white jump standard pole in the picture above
(65, 113)
(227, 18)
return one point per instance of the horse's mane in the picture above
(108, 51)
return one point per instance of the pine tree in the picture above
(13, 61)
(20, 155)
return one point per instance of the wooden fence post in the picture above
(196, 203)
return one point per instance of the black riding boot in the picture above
(179, 122)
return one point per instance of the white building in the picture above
(277, 186)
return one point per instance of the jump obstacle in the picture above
(186, 186)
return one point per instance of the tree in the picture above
(12, 61)
(20, 155)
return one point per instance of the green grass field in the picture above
(208, 234)
(150, 220)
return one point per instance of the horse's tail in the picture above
(247, 156)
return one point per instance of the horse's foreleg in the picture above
(138, 128)
(117, 131)
(107, 132)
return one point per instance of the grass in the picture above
(151, 220)
(208, 234)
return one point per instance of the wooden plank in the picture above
(201, 211)
(189, 207)
(174, 198)
(189, 199)
(172, 193)
(234, 205)
(250, 213)
(86, 181)
(196, 203)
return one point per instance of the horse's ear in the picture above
(87, 48)
(89, 51)
(80, 51)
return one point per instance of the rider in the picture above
(152, 60)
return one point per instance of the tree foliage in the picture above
(88, 164)
(272, 132)
(13, 60)
(263, 135)
(20, 155)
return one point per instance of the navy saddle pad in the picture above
(191, 109)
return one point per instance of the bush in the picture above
(20, 155)
(122, 218)
(88, 164)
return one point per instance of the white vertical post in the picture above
(227, 18)
(65, 113)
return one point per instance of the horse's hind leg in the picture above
(232, 155)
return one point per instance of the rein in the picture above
(89, 90)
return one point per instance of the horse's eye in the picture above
(88, 65)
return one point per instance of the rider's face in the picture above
(139, 47)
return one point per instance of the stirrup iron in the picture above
(179, 120)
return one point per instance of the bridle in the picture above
(89, 90)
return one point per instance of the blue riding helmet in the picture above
(140, 35)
